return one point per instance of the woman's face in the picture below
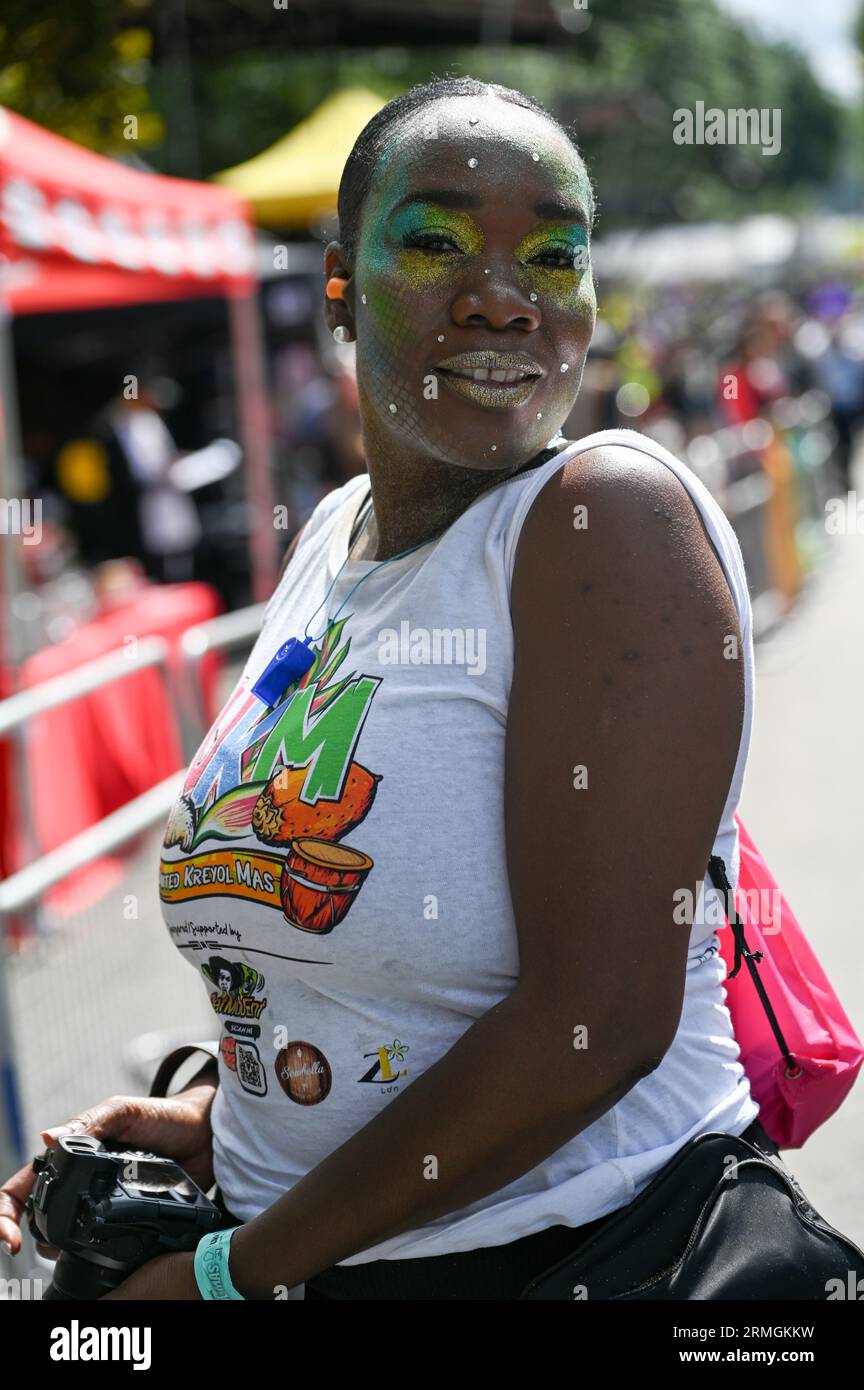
(474, 240)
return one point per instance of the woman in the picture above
(452, 853)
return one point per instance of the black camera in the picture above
(109, 1209)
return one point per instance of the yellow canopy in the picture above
(297, 179)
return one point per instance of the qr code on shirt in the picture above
(250, 1070)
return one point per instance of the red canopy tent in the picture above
(79, 231)
(82, 231)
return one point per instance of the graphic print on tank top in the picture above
(262, 816)
(333, 1024)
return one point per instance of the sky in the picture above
(822, 29)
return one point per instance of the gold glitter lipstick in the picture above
(492, 379)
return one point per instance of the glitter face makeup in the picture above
(424, 228)
(552, 258)
(490, 259)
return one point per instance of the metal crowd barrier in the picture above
(73, 971)
(729, 462)
(224, 634)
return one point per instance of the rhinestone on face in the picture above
(440, 337)
(472, 163)
(362, 299)
(565, 366)
(533, 297)
(535, 156)
(392, 408)
(494, 447)
(487, 272)
(539, 414)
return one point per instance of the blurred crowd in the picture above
(125, 505)
(684, 363)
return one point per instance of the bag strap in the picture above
(170, 1065)
(717, 870)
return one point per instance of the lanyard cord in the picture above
(380, 565)
(306, 638)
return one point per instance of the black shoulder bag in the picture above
(724, 1219)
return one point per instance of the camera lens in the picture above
(78, 1279)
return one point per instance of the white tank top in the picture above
(335, 869)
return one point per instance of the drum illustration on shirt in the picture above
(286, 777)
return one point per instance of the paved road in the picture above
(802, 804)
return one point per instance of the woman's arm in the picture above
(624, 724)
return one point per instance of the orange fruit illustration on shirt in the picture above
(280, 816)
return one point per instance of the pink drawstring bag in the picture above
(798, 1048)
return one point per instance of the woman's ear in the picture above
(339, 289)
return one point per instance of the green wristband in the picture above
(211, 1265)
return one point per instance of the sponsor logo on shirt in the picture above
(236, 987)
(304, 1073)
(382, 1072)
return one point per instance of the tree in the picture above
(213, 83)
(80, 75)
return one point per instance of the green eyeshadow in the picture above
(554, 236)
(429, 218)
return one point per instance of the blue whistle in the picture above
(293, 658)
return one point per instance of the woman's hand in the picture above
(176, 1126)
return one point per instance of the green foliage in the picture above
(245, 105)
(80, 70)
(618, 81)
